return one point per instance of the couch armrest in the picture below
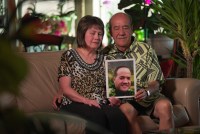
(7, 100)
(62, 123)
(184, 91)
(67, 123)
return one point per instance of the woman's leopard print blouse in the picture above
(87, 79)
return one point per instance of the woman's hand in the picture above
(114, 101)
(57, 100)
(91, 103)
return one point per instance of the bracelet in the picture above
(148, 92)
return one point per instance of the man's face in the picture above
(121, 31)
(122, 80)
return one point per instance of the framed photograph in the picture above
(120, 78)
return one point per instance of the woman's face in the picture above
(93, 37)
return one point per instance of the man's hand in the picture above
(153, 87)
(114, 101)
(57, 100)
(140, 95)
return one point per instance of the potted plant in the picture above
(142, 16)
(13, 70)
(180, 20)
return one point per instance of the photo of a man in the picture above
(120, 78)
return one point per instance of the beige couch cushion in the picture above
(40, 84)
(181, 117)
(62, 123)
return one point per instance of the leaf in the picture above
(13, 68)
(180, 19)
(123, 4)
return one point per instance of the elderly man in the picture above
(148, 99)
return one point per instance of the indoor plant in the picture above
(180, 20)
(13, 70)
(142, 16)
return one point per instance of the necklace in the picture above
(98, 62)
(88, 57)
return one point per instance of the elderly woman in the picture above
(81, 78)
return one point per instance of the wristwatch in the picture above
(148, 92)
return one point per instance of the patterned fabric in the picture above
(87, 79)
(147, 66)
(120, 94)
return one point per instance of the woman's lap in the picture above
(117, 120)
(108, 117)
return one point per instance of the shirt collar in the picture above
(130, 49)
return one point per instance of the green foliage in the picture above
(196, 67)
(112, 92)
(180, 21)
(13, 121)
(140, 14)
(13, 68)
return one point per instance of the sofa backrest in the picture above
(40, 84)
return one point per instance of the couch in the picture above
(40, 86)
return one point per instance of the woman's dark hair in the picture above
(84, 24)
